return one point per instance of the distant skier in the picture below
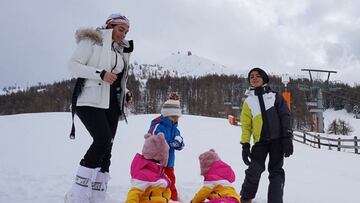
(167, 123)
(149, 183)
(218, 179)
(266, 117)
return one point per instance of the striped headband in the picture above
(117, 18)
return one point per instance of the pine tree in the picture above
(333, 127)
(345, 128)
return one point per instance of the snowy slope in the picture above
(38, 161)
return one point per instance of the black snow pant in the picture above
(276, 173)
(102, 125)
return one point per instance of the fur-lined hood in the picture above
(88, 33)
(97, 37)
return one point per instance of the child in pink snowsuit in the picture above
(148, 179)
(218, 179)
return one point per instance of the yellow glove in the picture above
(134, 195)
(202, 195)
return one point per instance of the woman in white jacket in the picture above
(100, 64)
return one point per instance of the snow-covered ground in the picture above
(329, 116)
(38, 160)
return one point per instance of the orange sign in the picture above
(287, 98)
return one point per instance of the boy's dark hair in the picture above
(263, 74)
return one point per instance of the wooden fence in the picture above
(318, 141)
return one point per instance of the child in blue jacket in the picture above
(167, 123)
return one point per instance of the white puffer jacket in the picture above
(94, 54)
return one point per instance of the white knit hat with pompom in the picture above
(171, 107)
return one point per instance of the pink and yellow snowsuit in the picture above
(149, 182)
(218, 185)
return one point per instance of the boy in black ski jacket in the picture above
(266, 117)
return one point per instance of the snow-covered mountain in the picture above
(191, 64)
(143, 72)
(180, 64)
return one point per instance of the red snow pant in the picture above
(169, 171)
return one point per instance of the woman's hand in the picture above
(109, 77)
(128, 99)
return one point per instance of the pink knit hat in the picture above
(207, 159)
(156, 148)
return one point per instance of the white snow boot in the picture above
(80, 191)
(99, 188)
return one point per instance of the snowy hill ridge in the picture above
(178, 65)
(143, 72)
(192, 65)
(188, 64)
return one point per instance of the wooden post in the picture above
(318, 139)
(339, 143)
(355, 145)
(304, 138)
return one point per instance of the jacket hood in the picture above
(258, 90)
(220, 171)
(163, 120)
(88, 33)
(96, 36)
(146, 170)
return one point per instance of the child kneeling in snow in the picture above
(148, 179)
(218, 179)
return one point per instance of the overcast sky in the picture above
(37, 36)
